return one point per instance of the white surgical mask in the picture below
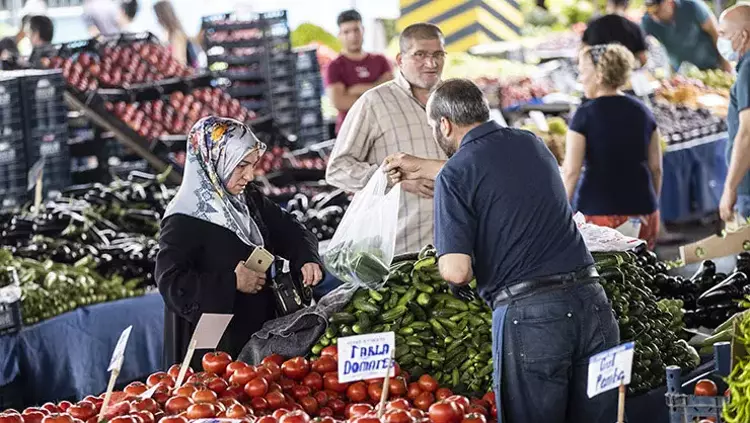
(724, 45)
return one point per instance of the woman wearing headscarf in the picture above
(211, 227)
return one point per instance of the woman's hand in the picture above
(249, 281)
(311, 274)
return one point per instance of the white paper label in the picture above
(365, 356)
(210, 329)
(35, 173)
(610, 369)
(119, 353)
(539, 120)
(150, 392)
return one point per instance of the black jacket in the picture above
(195, 274)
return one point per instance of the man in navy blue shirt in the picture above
(501, 213)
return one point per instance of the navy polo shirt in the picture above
(500, 199)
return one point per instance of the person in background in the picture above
(688, 31)
(501, 215)
(128, 10)
(615, 27)
(734, 45)
(179, 43)
(41, 31)
(391, 118)
(615, 135)
(101, 17)
(211, 227)
(8, 54)
(354, 71)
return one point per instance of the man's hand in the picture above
(727, 203)
(424, 188)
(403, 167)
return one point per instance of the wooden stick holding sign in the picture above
(609, 370)
(207, 334)
(386, 385)
(115, 364)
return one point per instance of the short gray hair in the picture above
(460, 101)
(418, 31)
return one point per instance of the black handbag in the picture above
(290, 293)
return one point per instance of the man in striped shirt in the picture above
(389, 119)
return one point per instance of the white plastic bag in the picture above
(362, 248)
(602, 239)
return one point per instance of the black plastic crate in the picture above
(13, 171)
(312, 135)
(283, 102)
(11, 118)
(53, 146)
(43, 104)
(10, 312)
(255, 90)
(309, 88)
(307, 60)
(310, 117)
(287, 118)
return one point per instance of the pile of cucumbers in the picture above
(436, 333)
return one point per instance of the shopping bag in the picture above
(361, 250)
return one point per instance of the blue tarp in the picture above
(67, 356)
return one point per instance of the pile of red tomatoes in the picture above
(275, 391)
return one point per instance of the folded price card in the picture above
(610, 369)
(119, 352)
(365, 356)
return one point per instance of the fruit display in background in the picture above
(297, 391)
(681, 123)
(117, 66)
(307, 33)
(322, 213)
(518, 91)
(554, 138)
(714, 78)
(246, 34)
(177, 114)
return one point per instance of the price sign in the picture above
(207, 335)
(119, 353)
(365, 356)
(35, 173)
(610, 369)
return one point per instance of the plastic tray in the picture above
(685, 407)
(11, 120)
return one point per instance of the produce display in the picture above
(275, 391)
(681, 123)
(554, 136)
(737, 408)
(322, 213)
(357, 262)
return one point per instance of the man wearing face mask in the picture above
(391, 118)
(501, 213)
(734, 44)
(688, 31)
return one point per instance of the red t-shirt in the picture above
(350, 72)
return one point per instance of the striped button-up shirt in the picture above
(385, 120)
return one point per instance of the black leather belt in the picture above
(519, 289)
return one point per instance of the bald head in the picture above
(736, 17)
(734, 26)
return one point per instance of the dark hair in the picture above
(9, 44)
(43, 26)
(418, 31)
(130, 8)
(619, 3)
(460, 101)
(348, 16)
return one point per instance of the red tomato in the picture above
(337, 406)
(286, 384)
(326, 415)
(274, 387)
(267, 419)
(52, 407)
(461, 401)
(259, 404)
(443, 393)
(331, 381)
(428, 383)
(325, 364)
(274, 358)
(145, 416)
(11, 418)
(398, 404)
(256, 387)
(397, 387)
(478, 409)
(300, 391)
(424, 401)
(217, 385)
(296, 416)
(125, 419)
(204, 396)
(357, 392)
(706, 388)
(279, 413)
(296, 368)
(146, 404)
(375, 391)
(243, 375)
(174, 371)
(173, 419)
(177, 405)
(366, 419)
(314, 381)
(418, 414)
(274, 370)
(275, 400)
(236, 411)
(83, 410)
(330, 351)
(160, 378)
(310, 405)
(56, 418)
(233, 367)
(445, 412)
(201, 411)
(216, 362)
(357, 410)
(397, 416)
(185, 390)
(489, 397)
(321, 397)
(33, 416)
(413, 391)
(474, 418)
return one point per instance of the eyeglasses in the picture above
(421, 56)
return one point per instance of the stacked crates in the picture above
(312, 129)
(33, 124)
(254, 54)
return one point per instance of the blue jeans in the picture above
(743, 205)
(548, 338)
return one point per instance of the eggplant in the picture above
(704, 276)
(731, 286)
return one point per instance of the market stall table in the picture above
(67, 356)
(694, 173)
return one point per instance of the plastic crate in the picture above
(13, 171)
(309, 88)
(685, 407)
(312, 135)
(11, 118)
(307, 60)
(10, 307)
(53, 146)
(43, 104)
(310, 117)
